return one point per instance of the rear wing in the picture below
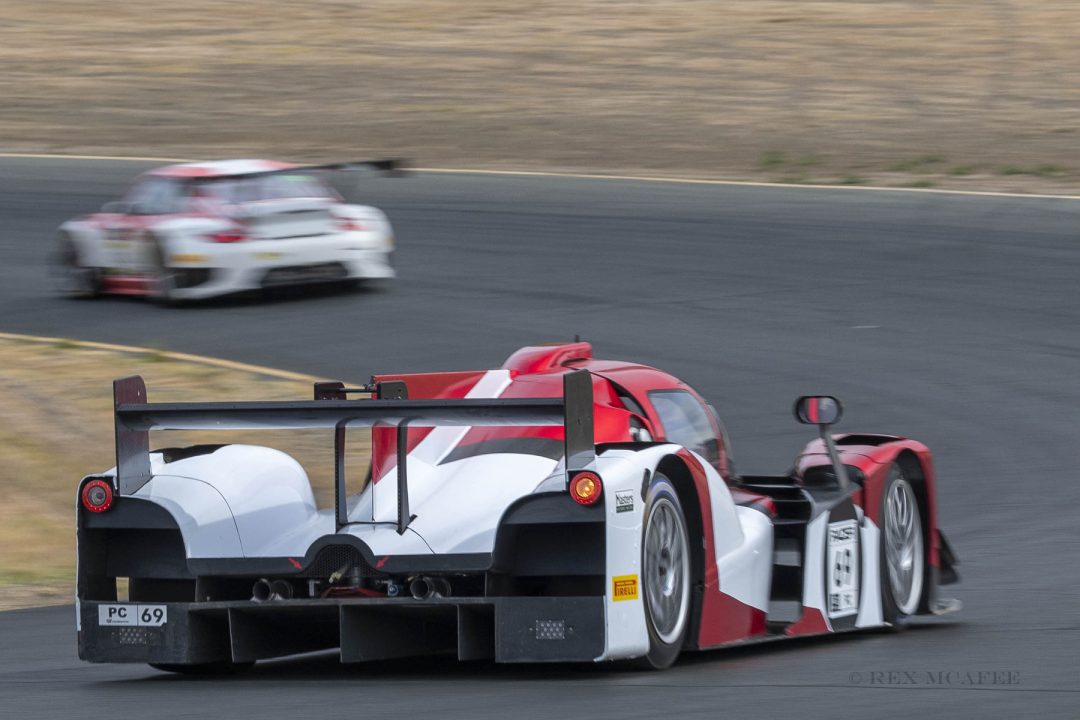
(135, 418)
(388, 166)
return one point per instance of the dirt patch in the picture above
(56, 427)
(919, 93)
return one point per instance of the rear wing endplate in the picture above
(135, 418)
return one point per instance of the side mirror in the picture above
(818, 410)
(823, 411)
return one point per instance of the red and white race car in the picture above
(198, 230)
(558, 508)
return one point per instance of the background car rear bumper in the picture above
(356, 265)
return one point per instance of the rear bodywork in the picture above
(465, 540)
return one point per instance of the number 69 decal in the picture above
(152, 615)
(133, 615)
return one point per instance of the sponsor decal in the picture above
(132, 615)
(624, 587)
(182, 258)
(269, 255)
(624, 501)
(842, 556)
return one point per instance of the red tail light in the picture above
(97, 496)
(586, 488)
(350, 225)
(231, 235)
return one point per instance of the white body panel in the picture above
(746, 571)
(814, 566)
(205, 519)
(870, 613)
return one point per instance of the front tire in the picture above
(666, 574)
(903, 556)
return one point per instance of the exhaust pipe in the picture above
(425, 588)
(281, 590)
(264, 590)
(261, 590)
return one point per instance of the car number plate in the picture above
(133, 615)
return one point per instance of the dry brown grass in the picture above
(56, 427)
(952, 92)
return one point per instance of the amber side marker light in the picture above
(585, 488)
(97, 496)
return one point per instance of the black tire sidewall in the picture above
(67, 262)
(661, 655)
(163, 288)
(890, 613)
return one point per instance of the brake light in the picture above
(230, 236)
(350, 225)
(97, 496)
(585, 488)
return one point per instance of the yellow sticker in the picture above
(269, 255)
(181, 259)
(624, 587)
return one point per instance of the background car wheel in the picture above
(222, 668)
(903, 556)
(164, 277)
(666, 579)
(73, 279)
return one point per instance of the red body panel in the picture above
(723, 618)
(139, 285)
(812, 622)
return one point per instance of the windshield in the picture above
(239, 190)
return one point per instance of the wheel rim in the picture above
(903, 546)
(667, 570)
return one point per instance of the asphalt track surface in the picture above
(952, 319)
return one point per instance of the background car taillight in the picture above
(232, 235)
(350, 225)
(97, 496)
(586, 488)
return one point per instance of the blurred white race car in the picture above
(198, 230)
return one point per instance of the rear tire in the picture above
(164, 292)
(666, 579)
(75, 280)
(902, 553)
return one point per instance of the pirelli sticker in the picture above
(624, 587)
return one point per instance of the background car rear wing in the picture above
(135, 418)
(387, 166)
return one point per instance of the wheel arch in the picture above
(675, 469)
(916, 475)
